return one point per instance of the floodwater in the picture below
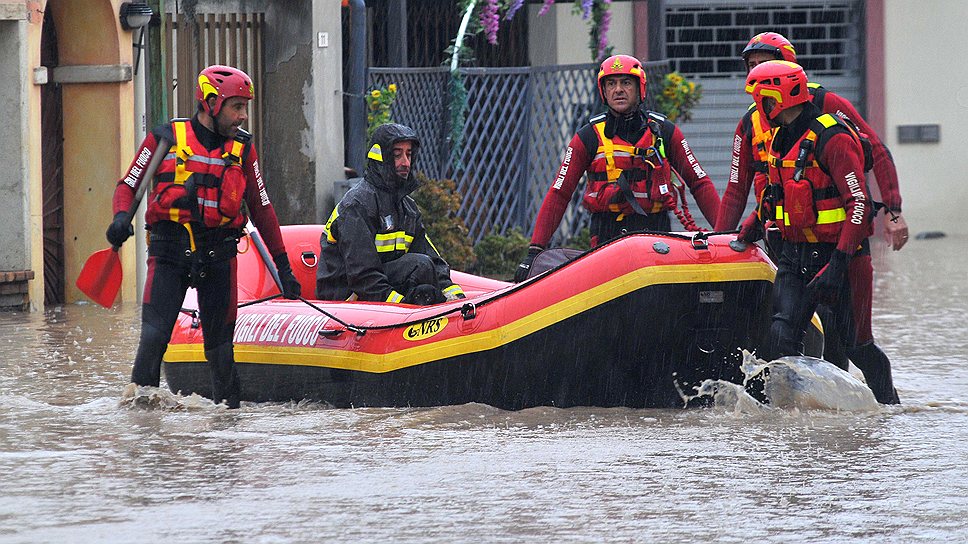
(77, 465)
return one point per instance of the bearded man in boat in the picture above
(630, 156)
(374, 246)
(194, 219)
(818, 198)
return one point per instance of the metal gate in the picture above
(196, 40)
(518, 122)
(705, 41)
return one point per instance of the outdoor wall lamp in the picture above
(134, 15)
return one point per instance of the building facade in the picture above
(70, 92)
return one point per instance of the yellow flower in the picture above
(375, 93)
(392, 87)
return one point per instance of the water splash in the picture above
(790, 383)
(154, 398)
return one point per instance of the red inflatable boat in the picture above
(631, 323)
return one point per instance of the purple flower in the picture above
(603, 29)
(490, 21)
(546, 6)
(586, 8)
(513, 8)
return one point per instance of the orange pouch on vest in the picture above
(230, 191)
(798, 205)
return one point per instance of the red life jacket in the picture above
(763, 132)
(194, 184)
(809, 207)
(645, 168)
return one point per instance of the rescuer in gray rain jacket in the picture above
(374, 246)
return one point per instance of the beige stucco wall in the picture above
(98, 134)
(561, 36)
(928, 85)
(573, 40)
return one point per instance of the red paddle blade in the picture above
(100, 279)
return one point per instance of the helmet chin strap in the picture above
(627, 115)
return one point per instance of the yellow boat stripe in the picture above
(485, 340)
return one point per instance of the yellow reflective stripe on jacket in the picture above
(393, 241)
(453, 290)
(328, 228)
(375, 153)
(394, 297)
(426, 237)
(835, 215)
(824, 217)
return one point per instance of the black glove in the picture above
(828, 283)
(291, 288)
(120, 229)
(424, 295)
(524, 268)
(751, 230)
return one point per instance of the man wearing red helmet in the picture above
(630, 156)
(752, 138)
(194, 219)
(819, 200)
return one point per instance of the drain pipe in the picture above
(355, 107)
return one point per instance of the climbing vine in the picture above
(487, 16)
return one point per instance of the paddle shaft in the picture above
(260, 246)
(145, 180)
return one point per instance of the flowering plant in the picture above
(490, 12)
(378, 103)
(679, 96)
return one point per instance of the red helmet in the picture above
(773, 43)
(621, 65)
(223, 82)
(784, 82)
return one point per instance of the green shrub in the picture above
(378, 103)
(439, 200)
(498, 255)
(679, 97)
(582, 240)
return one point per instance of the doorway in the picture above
(52, 153)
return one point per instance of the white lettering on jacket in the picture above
(692, 160)
(137, 168)
(563, 170)
(734, 163)
(263, 195)
(857, 216)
